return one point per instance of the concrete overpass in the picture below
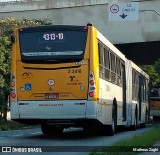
(138, 38)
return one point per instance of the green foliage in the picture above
(4, 58)
(7, 26)
(157, 66)
(152, 72)
(125, 146)
(10, 125)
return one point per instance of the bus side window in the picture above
(101, 60)
(107, 64)
(143, 99)
(135, 86)
(118, 71)
(113, 75)
(146, 89)
(144, 86)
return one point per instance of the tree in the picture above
(157, 66)
(4, 71)
(152, 72)
(7, 26)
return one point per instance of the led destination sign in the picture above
(52, 36)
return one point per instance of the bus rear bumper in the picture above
(71, 109)
(91, 110)
(155, 112)
(14, 110)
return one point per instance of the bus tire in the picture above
(108, 130)
(143, 125)
(45, 129)
(156, 118)
(111, 128)
(50, 130)
(57, 130)
(134, 126)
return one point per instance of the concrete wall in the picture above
(81, 12)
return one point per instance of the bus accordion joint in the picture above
(92, 86)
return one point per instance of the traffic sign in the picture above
(114, 8)
(123, 11)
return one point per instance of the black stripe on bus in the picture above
(37, 68)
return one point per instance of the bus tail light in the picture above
(91, 82)
(85, 27)
(21, 29)
(92, 86)
(13, 95)
(91, 94)
(13, 86)
(13, 77)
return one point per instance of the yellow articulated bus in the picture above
(155, 102)
(72, 76)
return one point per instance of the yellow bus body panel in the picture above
(94, 59)
(69, 83)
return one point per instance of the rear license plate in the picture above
(52, 96)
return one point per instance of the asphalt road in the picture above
(72, 141)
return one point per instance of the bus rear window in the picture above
(52, 45)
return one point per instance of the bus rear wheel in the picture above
(134, 126)
(109, 130)
(51, 130)
(143, 125)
